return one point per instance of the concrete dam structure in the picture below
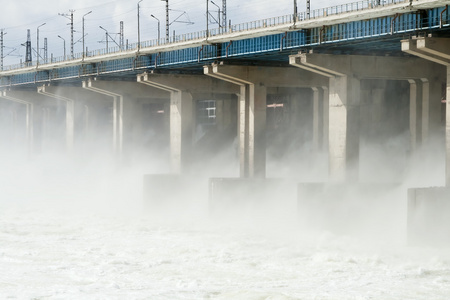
(337, 116)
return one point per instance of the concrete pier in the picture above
(429, 208)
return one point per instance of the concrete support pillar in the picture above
(181, 129)
(320, 118)
(181, 89)
(316, 118)
(30, 119)
(70, 114)
(345, 73)
(326, 116)
(447, 130)
(415, 113)
(344, 128)
(253, 83)
(257, 135)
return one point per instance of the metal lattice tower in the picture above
(224, 13)
(28, 58)
(45, 51)
(167, 20)
(308, 8)
(121, 36)
(1, 49)
(71, 29)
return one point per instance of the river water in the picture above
(84, 237)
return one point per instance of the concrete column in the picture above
(447, 131)
(253, 83)
(326, 116)
(29, 119)
(415, 108)
(181, 129)
(316, 118)
(345, 72)
(257, 134)
(344, 128)
(70, 113)
(181, 89)
(320, 118)
(243, 131)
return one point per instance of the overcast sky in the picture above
(16, 16)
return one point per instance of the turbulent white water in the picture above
(59, 255)
(87, 237)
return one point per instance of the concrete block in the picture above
(429, 216)
(351, 208)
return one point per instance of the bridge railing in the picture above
(247, 26)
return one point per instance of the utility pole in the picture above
(28, 57)
(64, 46)
(45, 51)
(167, 20)
(83, 31)
(295, 11)
(224, 13)
(37, 43)
(121, 36)
(308, 9)
(159, 28)
(2, 34)
(207, 19)
(71, 29)
(139, 29)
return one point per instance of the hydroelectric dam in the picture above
(334, 108)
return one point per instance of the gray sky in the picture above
(19, 15)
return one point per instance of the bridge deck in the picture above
(360, 29)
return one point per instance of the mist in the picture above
(89, 223)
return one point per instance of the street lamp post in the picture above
(64, 46)
(159, 28)
(218, 15)
(106, 35)
(139, 30)
(37, 42)
(83, 31)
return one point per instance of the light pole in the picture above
(64, 46)
(83, 30)
(159, 28)
(106, 37)
(139, 30)
(37, 44)
(218, 15)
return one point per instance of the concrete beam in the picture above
(187, 83)
(269, 76)
(411, 47)
(440, 47)
(365, 67)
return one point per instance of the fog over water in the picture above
(76, 226)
